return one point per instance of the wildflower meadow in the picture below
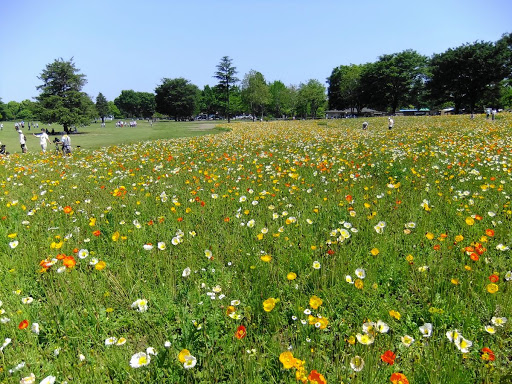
(279, 252)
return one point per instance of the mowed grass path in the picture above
(95, 137)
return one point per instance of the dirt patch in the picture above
(204, 127)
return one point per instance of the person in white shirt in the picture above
(390, 123)
(23, 141)
(43, 138)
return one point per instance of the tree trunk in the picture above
(227, 95)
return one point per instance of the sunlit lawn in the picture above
(304, 251)
(94, 136)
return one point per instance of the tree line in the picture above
(467, 78)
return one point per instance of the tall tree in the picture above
(389, 82)
(468, 74)
(147, 104)
(61, 99)
(208, 102)
(345, 89)
(113, 110)
(311, 96)
(177, 98)
(102, 106)
(280, 99)
(128, 103)
(226, 75)
(255, 93)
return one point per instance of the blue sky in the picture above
(134, 44)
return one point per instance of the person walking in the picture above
(43, 138)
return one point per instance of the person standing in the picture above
(365, 125)
(43, 138)
(391, 122)
(66, 144)
(23, 140)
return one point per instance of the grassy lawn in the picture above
(94, 136)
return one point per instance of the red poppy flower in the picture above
(97, 232)
(474, 256)
(23, 324)
(494, 278)
(330, 252)
(240, 332)
(388, 357)
(487, 354)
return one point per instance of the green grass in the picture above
(94, 136)
(299, 192)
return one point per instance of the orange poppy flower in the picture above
(69, 261)
(97, 233)
(398, 378)
(388, 357)
(23, 324)
(67, 209)
(489, 232)
(316, 377)
(240, 332)
(494, 278)
(474, 256)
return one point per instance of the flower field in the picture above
(304, 251)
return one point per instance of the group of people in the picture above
(391, 123)
(120, 124)
(64, 144)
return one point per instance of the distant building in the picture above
(447, 111)
(414, 112)
(340, 114)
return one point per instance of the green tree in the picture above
(310, 98)
(226, 75)
(2, 109)
(147, 104)
(28, 110)
(280, 103)
(177, 98)
(255, 93)
(12, 109)
(128, 103)
(102, 106)
(345, 89)
(61, 99)
(393, 80)
(506, 96)
(113, 110)
(468, 74)
(208, 102)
